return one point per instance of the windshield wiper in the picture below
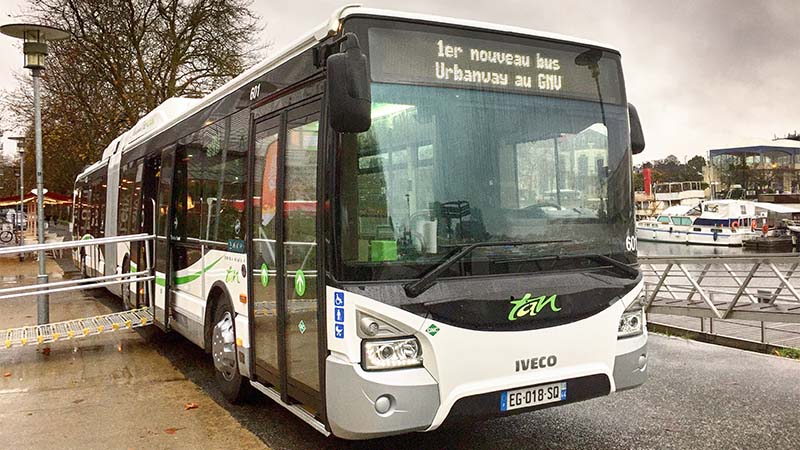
(630, 271)
(415, 288)
(622, 267)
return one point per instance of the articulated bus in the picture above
(398, 221)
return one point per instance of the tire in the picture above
(6, 236)
(232, 384)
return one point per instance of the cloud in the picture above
(702, 73)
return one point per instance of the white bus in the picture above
(352, 226)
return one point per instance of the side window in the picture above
(264, 232)
(80, 208)
(300, 240)
(86, 208)
(225, 178)
(102, 200)
(97, 204)
(188, 193)
(165, 177)
(135, 225)
(126, 196)
(193, 201)
(663, 219)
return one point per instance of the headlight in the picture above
(370, 327)
(631, 323)
(391, 354)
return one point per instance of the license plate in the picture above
(533, 396)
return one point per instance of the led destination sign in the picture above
(403, 56)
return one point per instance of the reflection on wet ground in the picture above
(109, 391)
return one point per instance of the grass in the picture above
(787, 352)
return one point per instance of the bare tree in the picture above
(124, 58)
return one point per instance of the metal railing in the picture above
(756, 287)
(144, 275)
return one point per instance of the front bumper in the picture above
(351, 400)
(414, 395)
(630, 369)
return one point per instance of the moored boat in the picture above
(714, 222)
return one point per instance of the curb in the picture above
(716, 339)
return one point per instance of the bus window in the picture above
(264, 266)
(126, 194)
(188, 191)
(300, 248)
(224, 177)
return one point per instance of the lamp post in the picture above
(20, 219)
(34, 48)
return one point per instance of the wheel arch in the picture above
(218, 293)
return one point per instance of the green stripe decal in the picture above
(189, 278)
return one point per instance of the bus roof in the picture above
(353, 10)
(328, 28)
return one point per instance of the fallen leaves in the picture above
(170, 430)
(190, 405)
(7, 374)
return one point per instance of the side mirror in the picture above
(637, 135)
(349, 97)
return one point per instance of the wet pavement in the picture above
(699, 396)
(110, 391)
(130, 389)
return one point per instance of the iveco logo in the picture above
(539, 362)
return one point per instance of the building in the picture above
(761, 168)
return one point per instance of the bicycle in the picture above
(6, 236)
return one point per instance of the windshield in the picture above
(446, 164)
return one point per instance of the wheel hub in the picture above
(223, 347)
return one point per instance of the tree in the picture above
(9, 184)
(693, 169)
(124, 58)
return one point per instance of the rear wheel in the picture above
(223, 350)
(6, 236)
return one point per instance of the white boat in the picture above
(713, 222)
(668, 195)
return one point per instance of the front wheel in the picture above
(6, 236)
(223, 350)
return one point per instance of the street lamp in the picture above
(21, 150)
(34, 48)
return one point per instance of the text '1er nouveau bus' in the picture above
(398, 221)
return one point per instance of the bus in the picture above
(367, 227)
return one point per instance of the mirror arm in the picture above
(324, 50)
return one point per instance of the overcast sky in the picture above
(702, 73)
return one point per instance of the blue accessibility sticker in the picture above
(504, 401)
(338, 330)
(338, 298)
(338, 314)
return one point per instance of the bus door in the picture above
(164, 228)
(146, 182)
(283, 255)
